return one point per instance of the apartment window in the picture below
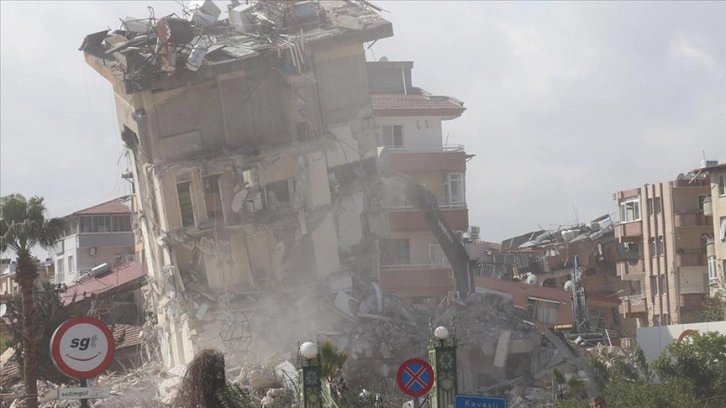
(661, 284)
(722, 185)
(395, 251)
(60, 270)
(654, 205)
(656, 320)
(212, 197)
(280, 192)
(630, 210)
(183, 190)
(722, 229)
(712, 276)
(392, 135)
(653, 285)
(106, 223)
(660, 245)
(651, 248)
(543, 310)
(701, 200)
(455, 188)
(437, 256)
(71, 265)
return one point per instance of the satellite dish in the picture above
(568, 285)
(532, 279)
(3, 309)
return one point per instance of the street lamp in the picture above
(308, 362)
(442, 357)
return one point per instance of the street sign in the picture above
(415, 377)
(82, 347)
(470, 401)
(77, 393)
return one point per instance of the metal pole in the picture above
(84, 402)
(415, 402)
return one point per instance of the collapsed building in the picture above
(252, 148)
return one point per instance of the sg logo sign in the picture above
(82, 347)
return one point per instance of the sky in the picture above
(567, 102)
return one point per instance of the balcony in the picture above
(694, 258)
(416, 280)
(692, 218)
(692, 300)
(697, 182)
(630, 269)
(406, 218)
(447, 159)
(105, 239)
(633, 229)
(633, 305)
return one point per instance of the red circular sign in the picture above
(82, 347)
(415, 377)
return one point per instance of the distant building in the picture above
(664, 231)
(715, 207)
(99, 234)
(409, 134)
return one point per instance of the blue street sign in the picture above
(470, 401)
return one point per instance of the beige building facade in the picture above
(715, 208)
(663, 229)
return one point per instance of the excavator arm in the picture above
(452, 246)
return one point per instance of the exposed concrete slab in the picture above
(500, 356)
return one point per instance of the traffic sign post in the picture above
(82, 348)
(415, 378)
(471, 401)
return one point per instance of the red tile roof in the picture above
(115, 206)
(129, 272)
(126, 335)
(404, 105)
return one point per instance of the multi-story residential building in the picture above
(663, 230)
(715, 207)
(8, 267)
(97, 235)
(410, 138)
(253, 155)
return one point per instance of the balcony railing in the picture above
(630, 268)
(632, 229)
(691, 259)
(406, 207)
(413, 267)
(633, 304)
(691, 218)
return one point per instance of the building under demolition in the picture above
(253, 152)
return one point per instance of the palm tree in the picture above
(23, 225)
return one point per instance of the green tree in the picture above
(50, 313)
(23, 225)
(697, 364)
(714, 308)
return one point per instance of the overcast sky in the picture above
(566, 102)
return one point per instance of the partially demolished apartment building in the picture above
(409, 120)
(252, 144)
(535, 269)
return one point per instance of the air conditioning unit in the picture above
(628, 246)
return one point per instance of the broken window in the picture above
(212, 197)
(252, 192)
(395, 251)
(630, 210)
(186, 209)
(543, 310)
(391, 135)
(454, 188)
(280, 192)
